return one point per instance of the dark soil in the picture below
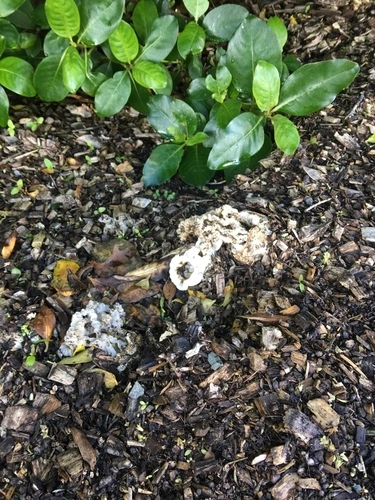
(290, 421)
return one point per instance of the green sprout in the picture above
(34, 124)
(326, 257)
(49, 165)
(31, 358)
(302, 286)
(11, 128)
(143, 405)
(99, 210)
(18, 187)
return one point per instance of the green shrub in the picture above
(226, 66)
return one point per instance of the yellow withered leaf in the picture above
(60, 281)
(196, 294)
(228, 293)
(110, 380)
(8, 248)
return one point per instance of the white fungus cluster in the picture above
(245, 233)
(96, 325)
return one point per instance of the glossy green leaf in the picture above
(27, 40)
(17, 76)
(212, 128)
(266, 85)
(167, 87)
(162, 164)
(144, 14)
(286, 134)
(161, 39)
(292, 63)
(199, 97)
(40, 17)
(242, 138)
(284, 74)
(313, 86)
(139, 98)
(191, 40)
(251, 163)
(227, 111)
(73, 70)
(4, 108)
(99, 19)
(63, 17)
(149, 75)
(278, 27)
(198, 91)
(165, 112)
(48, 79)
(23, 17)
(93, 82)
(2, 44)
(10, 33)
(196, 7)
(35, 50)
(195, 67)
(176, 135)
(253, 41)
(193, 167)
(124, 43)
(197, 138)
(220, 23)
(54, 44)
(9, 6)
(219, 86)
(113, 94)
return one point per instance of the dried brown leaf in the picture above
(136, 293)
(85, 448)
(44, 323)
(117, 262)
(169, 291)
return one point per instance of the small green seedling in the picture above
(301, 283)
(25, 330)
(11, 128)
(99, 210)
(31, 358)
(35, 124)
(18, 187)
(168, 195)
(88, 160)
(214, 193)
(143, 405)
(90, 145)
(49, 168)
(326, 258)
(138, 233)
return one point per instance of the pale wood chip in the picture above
(223, 373)
(324, 415)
